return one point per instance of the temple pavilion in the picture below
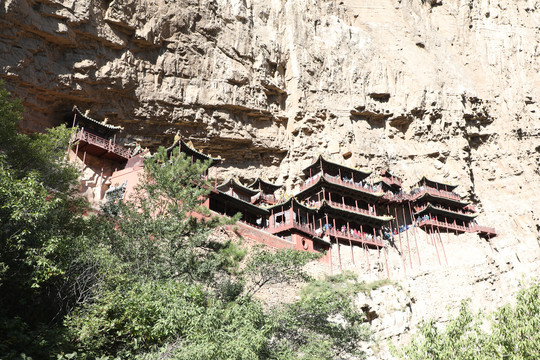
(438, 207)
(97, 138)
(267, 191)
(193, 154)
(335, 204)
(231, 198)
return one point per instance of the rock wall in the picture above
(446, 88)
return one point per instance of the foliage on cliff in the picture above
(511, 332)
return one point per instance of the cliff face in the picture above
(445, 88)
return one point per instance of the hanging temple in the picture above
(335, 205)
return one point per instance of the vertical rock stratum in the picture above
(443, 88)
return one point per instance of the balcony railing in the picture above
(287, 225)
(440, 193)
(483, 229)
(445, 225)
(366, 188)
(421, 208)
(392, 181)
(352, 208)
(109, 145)
(397, 197)
(364, 238)
(268, 198)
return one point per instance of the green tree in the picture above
(323, 324)
(39, 225)
(163, 231)
(280, 267)
(40, 154)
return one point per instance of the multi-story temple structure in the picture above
(336, 205)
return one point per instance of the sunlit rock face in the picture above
(447, 89)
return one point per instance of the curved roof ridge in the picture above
(234, 183)
(97, 122)
(254, 183)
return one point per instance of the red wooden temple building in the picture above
(438, 208)
(231, 198)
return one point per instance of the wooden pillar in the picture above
(414, 233)
(352, 251)
(435, 244)
(330, 254)
(291, 213)
(399, 235)
(406, 235)
(400, 245)
(367, 256)
(338, 254)
(442, 246)
(385, 257)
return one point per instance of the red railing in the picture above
(392, 181)
(269, 198)
(109, 145)
(289, 225)
(483, 229)
(361, 238)
(420, 208)
(337, 180)
(397, 197)
(352, 208)
(446, 225)
(435, 192)
(330, 232)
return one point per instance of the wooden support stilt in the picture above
(352, 251)
(399, 236)
(385, 257)
(367, 256)
(330, 254)
(339, 254)
(406, 235)
(400, 244)
(386, 261)
(435, 244)
(414, 233)
(442, 246)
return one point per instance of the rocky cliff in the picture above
(444, 88)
